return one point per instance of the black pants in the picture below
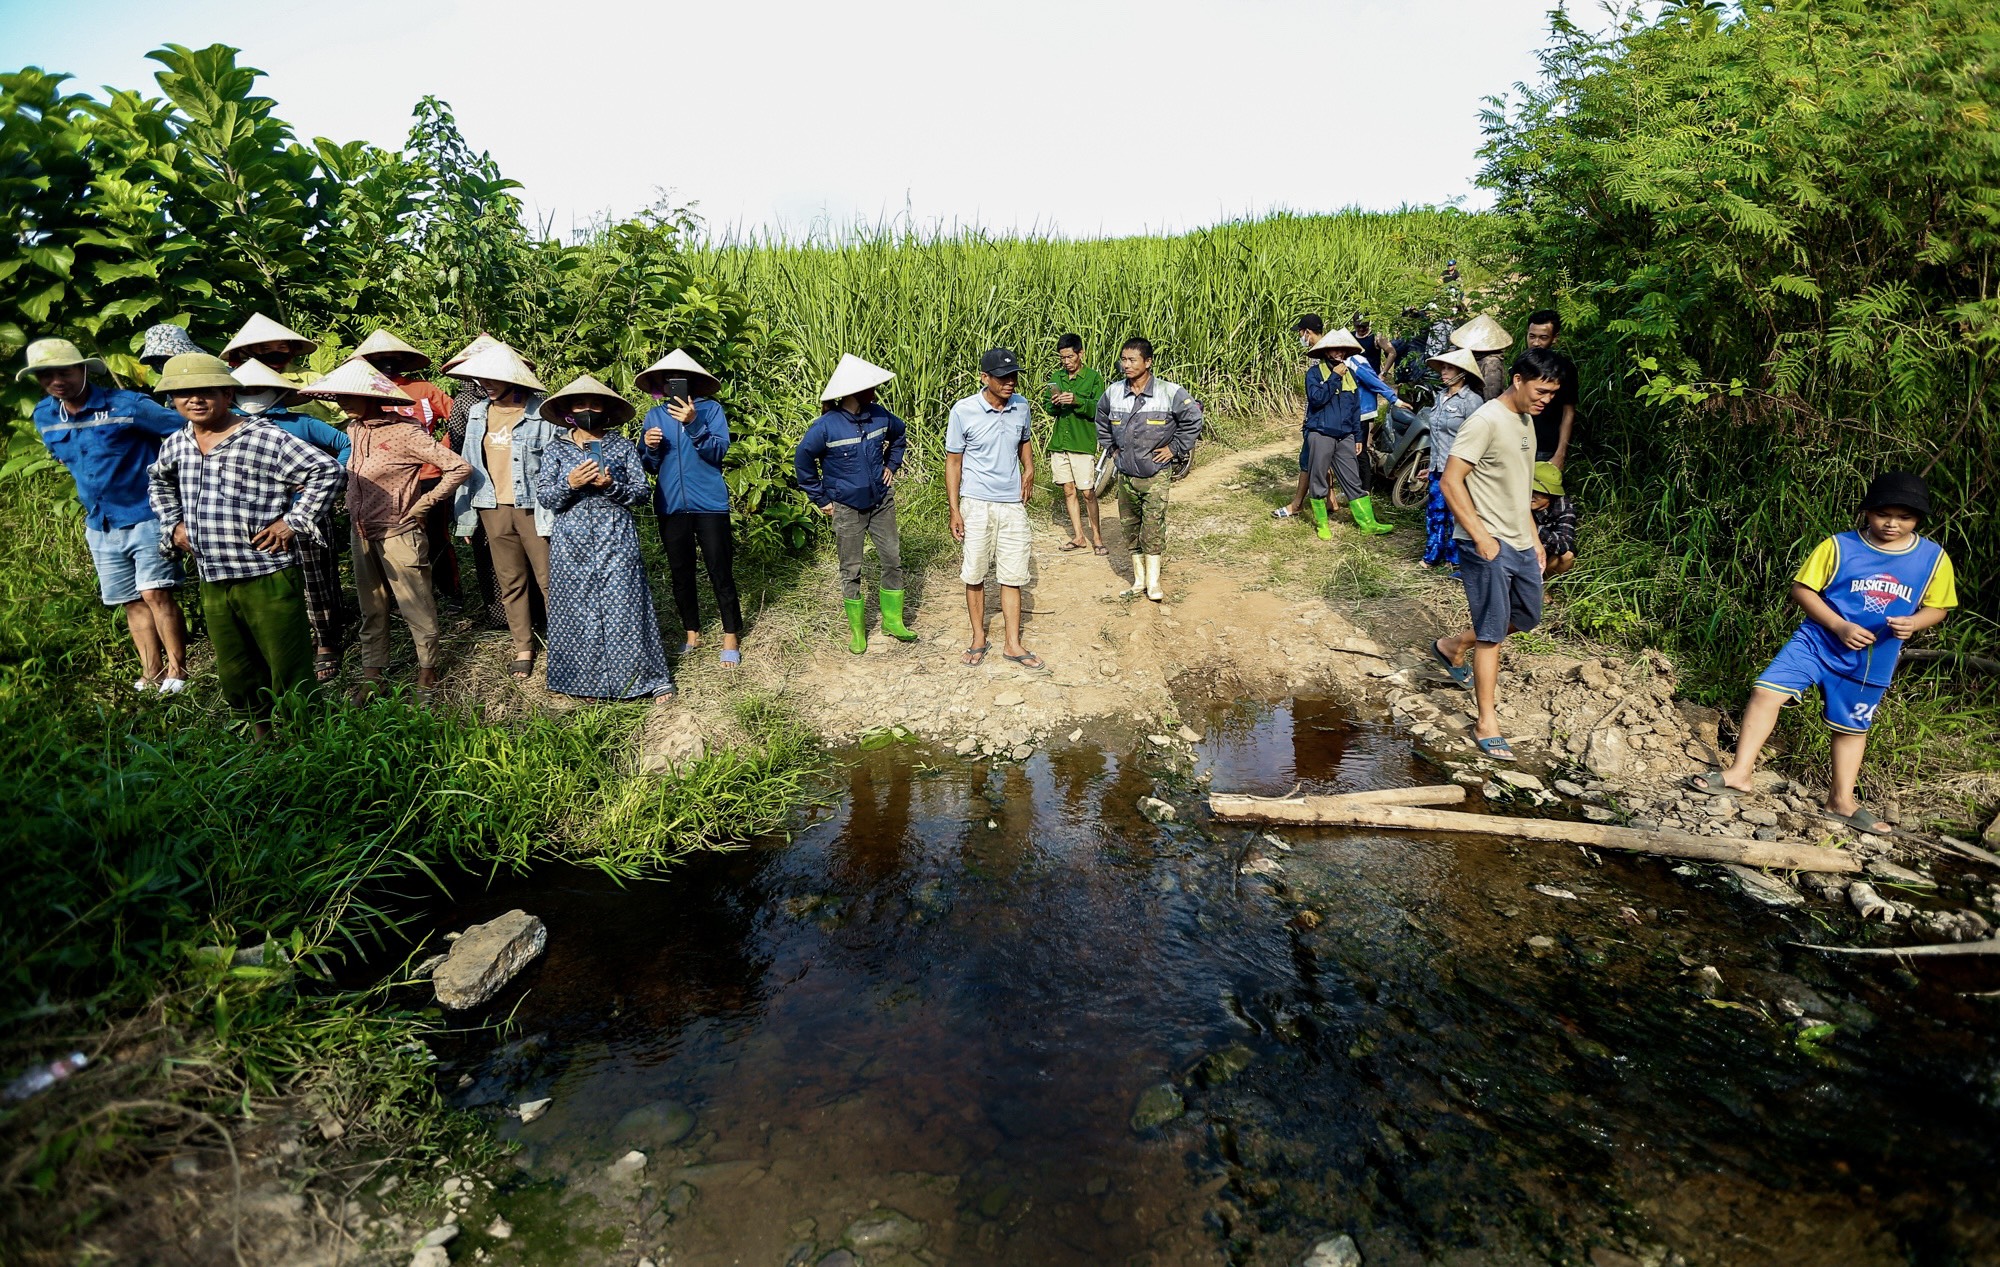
(680, 533)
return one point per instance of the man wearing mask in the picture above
(1148, 423)
(847, 463)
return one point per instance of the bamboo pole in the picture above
(1304, 809)
(1335, 812)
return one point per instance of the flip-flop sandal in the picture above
(731, 657)
(1710, 781)
(1496, 748)
(1100, 549)
(978, 655)
(326, 667)
(1069, 547)
(1862, 821)
(1461, 676)
(1283, 512)
(687, 649)
(1027, 660)
(522, 669)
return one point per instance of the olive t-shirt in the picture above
(1500, 444)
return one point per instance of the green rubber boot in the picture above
(857, 624)
(1363, 510)
(1319, 519)
(892, 617)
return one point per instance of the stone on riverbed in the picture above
(1156, 810)
(486, 958)
(630, 1168)
(883, 1229)
(1337, 1251)
(1157, 1106)
(658, 1124)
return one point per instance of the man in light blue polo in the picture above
(989, 470)
(107, 438)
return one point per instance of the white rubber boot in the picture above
(1138, 577)
(1153, 590)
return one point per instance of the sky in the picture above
(1078, 117)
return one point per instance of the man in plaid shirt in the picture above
(234, 492)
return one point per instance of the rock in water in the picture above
(1338, 1251)
(628, 1169)
(658, 1124)
(529, 1110)
(1768, 889)
(1156, 810)
(1157, 1106)
(883, 1229)
(671, 743)
(486, 958)
(431, 1256)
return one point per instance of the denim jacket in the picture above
(531, 435)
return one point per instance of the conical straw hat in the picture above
(382, 342)
(677, 362)
(853, 375)
(1338, 340)
(357, 377)
(501, 364)
(1459, 358)
(479, 344)
(584, 387)
(261, 329)
(1482, 334)
(257, 376)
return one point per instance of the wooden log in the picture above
(1306, 809)
(1984, 946)
(1749, 853)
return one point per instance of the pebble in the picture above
(966, 745)
(1076, 734)
(1157, 1106)
(1009, 699)
(1337, 1251)
(1569, 789)
(1520, 779)
(629, 1168)
(1160, 741)
(1155, 810)
(1022, 752)
(1761, 817)
(1598, 814)
(500, 1229)
(679, 1198)
(1883, 869)
(1550, 890)
(1189, 735)
(431, 1256)
(441, 1235)
(884, 1229)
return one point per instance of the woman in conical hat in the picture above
(683, 441)
(504, 441)
(847, 464)
(391, 555)
(469, 393)
(431, 410)
(1456, 401)
(268, 341)
(604, 637)
(1486, 339)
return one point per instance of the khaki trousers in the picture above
(520, 556)
(395, 565)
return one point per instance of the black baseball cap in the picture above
(1898, 488)
(999, 362)
(1310, 324)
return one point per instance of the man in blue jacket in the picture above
(1336, 402)
(847, 465)
(107, 438)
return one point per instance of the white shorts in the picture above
(996, 536)
(1079, 469)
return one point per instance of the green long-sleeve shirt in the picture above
(1076, 425)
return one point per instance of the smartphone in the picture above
(677, 389)
(596, 450)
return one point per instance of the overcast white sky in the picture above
(1084, 117)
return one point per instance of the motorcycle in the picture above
(1400, 451)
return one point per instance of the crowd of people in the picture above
(245, 470)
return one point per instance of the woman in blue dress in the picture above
(603, 640)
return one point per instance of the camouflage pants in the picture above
(1142, 509)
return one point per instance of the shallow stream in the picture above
(941, 1023)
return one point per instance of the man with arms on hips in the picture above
(106, 438)
(1488, 484)
(1073, 392)
(989, 470)
(1148, 423)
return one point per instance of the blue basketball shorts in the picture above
(1850, 705)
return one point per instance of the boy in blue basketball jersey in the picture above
(1864, 594)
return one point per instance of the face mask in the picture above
(254, 403)
(1306, 341)
(587, 419)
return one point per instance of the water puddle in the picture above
(990, 1015)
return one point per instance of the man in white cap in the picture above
(846, 464)
(989, 470)
(235, 492)
(106, 438)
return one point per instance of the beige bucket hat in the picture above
(254, 375)
(357, 377)
(261, 329)
(853, 375)
(1459, 358)
(677, 363)
(584, 387)
(501, 364)
(56, 354)
(1482, 334)
(1338, 341)
(191, 371)
(383, 343)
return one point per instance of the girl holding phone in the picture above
(683, 440)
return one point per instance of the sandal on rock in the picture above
(974, 657)
(1710, 781)
(1862, 821)
(522, 669)
(1495, 747)
(1461, 676)
(1027, 660)
(731, 657)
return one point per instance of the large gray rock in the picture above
(1607, 752)
(883, 1229)
(486, 958)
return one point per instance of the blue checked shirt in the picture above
(254, 477)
